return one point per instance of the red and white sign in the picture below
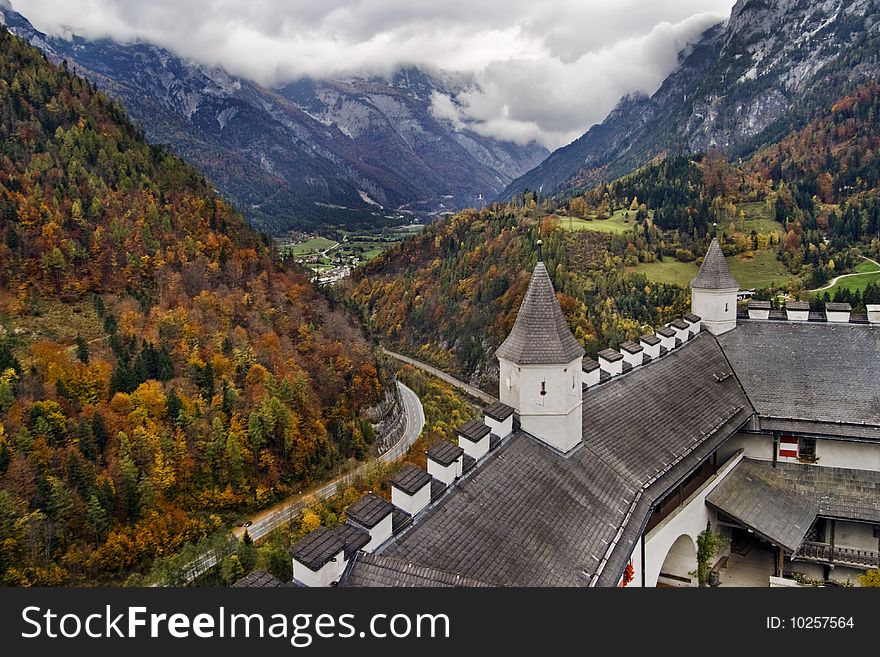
(788, 447)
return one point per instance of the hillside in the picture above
(157, 369)
(745, 84)
(621, 255)
(351, 152)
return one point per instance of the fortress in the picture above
(763, 427)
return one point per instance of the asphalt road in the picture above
(430, 369)
(270, 519)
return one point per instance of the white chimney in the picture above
(759, 310)
(651, 344)
(591, 375)
(445, 461)
(682, 330)
(837, 312)
(797, 311)
(873, 313)
(373, 513)
(632, 353)
(319, 558)
(499, 418)
(694, 321)
(611, 362)
(411, 489)
(473, 438)
(667, 337)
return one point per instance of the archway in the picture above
(680, 561)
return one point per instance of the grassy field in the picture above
(310, 246)
(616, 223)
(756, 218)
(867, 271)
(764, 270)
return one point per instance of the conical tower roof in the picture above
(540, 334)
(714, 273)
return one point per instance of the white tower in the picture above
(713, 292)
(540, 367)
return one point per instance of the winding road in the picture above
(430, 369)
(856, 273)
(266, 521)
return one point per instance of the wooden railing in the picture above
(845, 556)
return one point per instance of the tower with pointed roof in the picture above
(540, 367)
(713, 292)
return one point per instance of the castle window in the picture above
(807, 450)
(543, 388)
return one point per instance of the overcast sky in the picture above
(545, 69)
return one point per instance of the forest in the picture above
(159, 370)
(449, 296)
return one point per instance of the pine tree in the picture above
(82, 350)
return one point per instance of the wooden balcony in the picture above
(838, 554)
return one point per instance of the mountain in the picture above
(352, 152)
(157, 368)
(745, 84)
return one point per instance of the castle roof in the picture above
(540, 334)
(714, 273)
(530, 517)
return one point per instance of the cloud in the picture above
(544, 71)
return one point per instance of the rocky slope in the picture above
(747, 83)
(349, 152)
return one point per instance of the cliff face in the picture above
(747, 83)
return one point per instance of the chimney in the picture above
(611, 362)
(759, 310)
(591, 372)
(667, 338)
(797, 311)
(372, 513)
(651, 345)
(445, 461)
(837, 312)
(499, 418)
(473, 438)
(694, 321)
(682, 330)
(411, 489)
(319, 558)
(873, 313)
(632, 353)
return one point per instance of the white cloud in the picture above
(546, 70)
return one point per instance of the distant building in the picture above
(764, 427)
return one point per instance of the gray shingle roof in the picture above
(410, 479)
(444, 452)
(714, 273)
(760, 502)
(589, 365)
(474, 430)
(499, 411)
(530, 517)
(259, 579)
(540, 333)
(610, 355)
(650, 339)
(797, 305)
(838, 307)
(317, 548)
(631, 347)
(693, 319)
(680, 324)
(813, 372)
(666, 332)
(759, 305)
(378, 570)
(353, 538)
(369, 510)
(782, 503)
